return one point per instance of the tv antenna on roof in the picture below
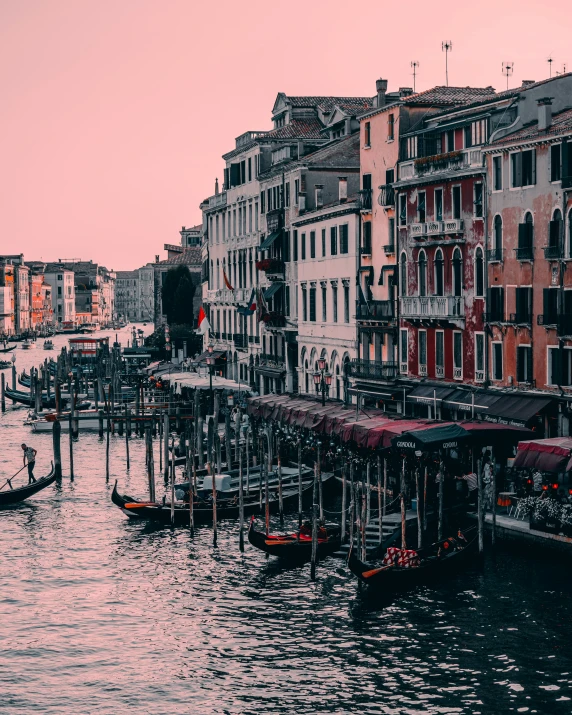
(507, 70)
(447, 47)
(415, 65)
(550, 61)
(563, 70)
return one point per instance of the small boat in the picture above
(18, 494)
(48, 345)
(403, 569)
(5, 364)
(297, 546)
(25, 398)
(6, 349)
(27, 344)
(227, 508)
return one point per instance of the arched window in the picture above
(479, 273)
(497, 238)
(555, 230)
(526, 238)
(422, 273)
(403, 274)
(306, 374)
(457, 272)
(439, 273)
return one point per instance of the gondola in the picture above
(296, 546)
(24, 379)
(4, 364)
(25, 398)
(435, 562)
(7, 350)
(13, 496)
(202, 509)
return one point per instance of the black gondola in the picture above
(227, 508)
(13, 496)
(25, 398)
(437, 560)
(7, 350)
(296, 546)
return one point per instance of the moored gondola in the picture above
(298, 545)
(18, 494)
(404, 569)
(227, 508)
(25, 398)
(7, 350)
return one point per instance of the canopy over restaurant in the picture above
(547, 455)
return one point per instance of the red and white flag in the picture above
(204, 325)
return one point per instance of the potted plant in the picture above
(546, 516)
(566, 520)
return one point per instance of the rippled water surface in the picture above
(99, 615)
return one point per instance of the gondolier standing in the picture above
(30, 460)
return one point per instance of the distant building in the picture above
(191, 236)
(177, 256)
(61, 282)
(127, 295)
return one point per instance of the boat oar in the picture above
(12, 477)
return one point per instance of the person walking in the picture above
(30, 460)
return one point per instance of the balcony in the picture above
(386, 195)
(375, 310)
(454, 225)
(274, 220)
(434, 228)
(522, 317)
(366, 247)
(433, 307)
(493, 317)
(364, 199)
(552, 253)
(524, 253)
(240, 341)
(373, 370)
(273, 267)
(275, 362)
(494, 255)
(217, 200)
(389, 249)
(547, 320)
(417, 230)
(274, 319)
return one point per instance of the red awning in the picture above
(548, 455)
(381, 436)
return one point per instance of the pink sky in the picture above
(115, 113)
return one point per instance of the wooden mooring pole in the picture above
(56, 437)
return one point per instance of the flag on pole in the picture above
(204, 325)
(226, 281)
(261, 306)
(250, 307)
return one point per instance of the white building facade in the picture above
(327, 264)
(61, 281)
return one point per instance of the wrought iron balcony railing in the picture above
(373, 370)
(386, 195)
(524, 253)
(364, 199)
(376, 310)
(552, 252)
(494, 255)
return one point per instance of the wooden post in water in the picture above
(200, 435)
(172, 462)
(299, 482)
(227, 438)
(320, 495)
(166, 447)
(425, 500)
(344, 500)
(266, 474)
(56, 436)
(70, 426)
(107, 432)
(418, 495)
(13, 375)
(494, 502)
(151, 466)
(481, 511)
(280, 497)
(368, 491)
(379, 501)
(218, 446)
(211, 472)
(247, 440)
(192, 479)
(58, 395)
(240, 493)
(100, 419)
(3, 397)
(314, 524)
(441, 487)
(352, 505)
(403, 522)
(363, 520)
(127, 432)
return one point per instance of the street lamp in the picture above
(322, 380)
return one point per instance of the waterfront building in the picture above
(145, 293)
(61, 281)
(127, 295)
(177, 255)
(191, 236)
(7, 296)
(328, 237)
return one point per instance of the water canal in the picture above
(102, 616)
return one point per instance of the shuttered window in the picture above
(497, 361)
(312, 305)
(312, 244)
(344, 238)
(334, 241)
(524, 363)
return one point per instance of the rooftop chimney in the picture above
(216, 187)
(381, 89)
(544, 113)
(343, 189)
(405, 91)
(527, 82)
(157, 258)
